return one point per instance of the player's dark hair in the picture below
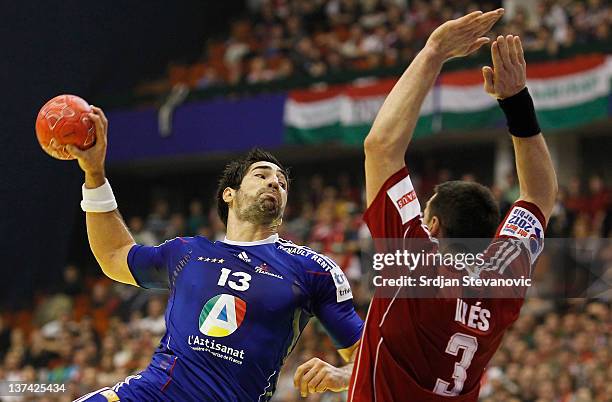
(465, 210)
(234, 172)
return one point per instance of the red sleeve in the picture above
(395, 212)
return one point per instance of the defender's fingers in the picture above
(495, 17)
(466, 20)
(512, 50)
(503, 51)
(489, 18)
(498, 64)
(478, 44)
(484, 23)
(487, 74)
(471, 16)
(519, 50)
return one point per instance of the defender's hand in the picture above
(464, 35)
(509, 73)
(91, 160)
(318, 376)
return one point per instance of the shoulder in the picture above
(306, 256)
(182, 244)
(322, 272)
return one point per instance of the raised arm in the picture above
(506, 82)
(386, 144)
(109, 238)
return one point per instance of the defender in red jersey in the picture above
(437, 348)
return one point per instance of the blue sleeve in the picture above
(333, 305)
(151, 266)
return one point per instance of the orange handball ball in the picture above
(64, 120)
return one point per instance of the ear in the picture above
(434, 226)
(229, 194)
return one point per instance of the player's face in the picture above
(262, 196)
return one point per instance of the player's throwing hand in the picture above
(92, 159)
(463, 36)
(317, 376)
(509, 72)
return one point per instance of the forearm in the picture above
(109, 237)
(536, 174)
(394, 125)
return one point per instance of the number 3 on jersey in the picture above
(469, 344)
(242, 277)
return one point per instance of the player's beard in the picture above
(257, 209)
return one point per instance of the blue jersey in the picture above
(235, 311)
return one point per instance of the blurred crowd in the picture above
(90, 332)
(313, 38)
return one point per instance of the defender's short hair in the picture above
(465, 210)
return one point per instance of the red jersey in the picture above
(425, 350)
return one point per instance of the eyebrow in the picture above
(269, 168)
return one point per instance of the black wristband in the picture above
(520, 114)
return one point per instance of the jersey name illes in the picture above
(235, 312)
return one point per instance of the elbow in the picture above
(371, 144)
(108, 268)
(378, 146)
(553, 191)
(555, 188)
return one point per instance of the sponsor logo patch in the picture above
(523, 224)
(265, 270)
(222, 315)
(405, 199)
(343, 288)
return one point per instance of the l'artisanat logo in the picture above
(222, 315)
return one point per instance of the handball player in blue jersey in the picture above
(236, 307)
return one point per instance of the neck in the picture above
(247, 231)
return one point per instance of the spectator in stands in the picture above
(141, 234)
(157, 221)
(283, 38)
(73, 283)
(154, 321)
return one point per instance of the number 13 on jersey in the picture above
(240, 284)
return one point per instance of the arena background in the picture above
(189, 85)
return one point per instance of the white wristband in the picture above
(99, 199)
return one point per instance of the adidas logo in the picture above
(244, 257)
